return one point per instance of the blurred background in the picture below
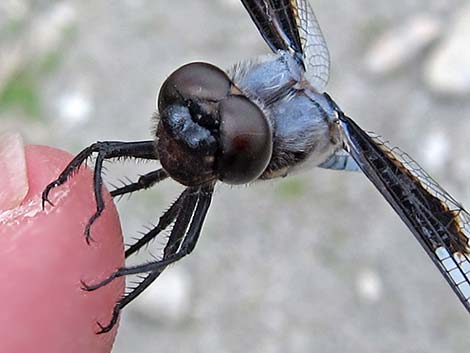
(314, 262)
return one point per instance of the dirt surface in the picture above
(317, 262)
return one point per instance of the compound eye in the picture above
(245, 141)
(195, 81)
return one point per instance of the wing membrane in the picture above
(291, 25)
(438, 221)
(314, 49)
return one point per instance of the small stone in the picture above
(402, 44)
(369, 285)
(448, 68)
(436, 150)
(48, 30)
(74, 107)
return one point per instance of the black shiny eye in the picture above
(245, 141)
(194, 82)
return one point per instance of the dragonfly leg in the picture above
(164, 221)
(144, 182)
(182, 241)
(104, 150)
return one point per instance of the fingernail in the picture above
(13, 174)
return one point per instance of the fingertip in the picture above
(44, 258)
(43, 165)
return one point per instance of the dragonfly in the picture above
(262, 119)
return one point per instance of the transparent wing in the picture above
(438, 221)
(291, 25)
(314, 49)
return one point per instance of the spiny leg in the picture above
(185, 213)
(144, 182)
(175, 238)
(108, 152)
(164, 221)
(190, 239)
(126, 300)
(105, 150)
(187, 246)
(97, 187)
(112, 149)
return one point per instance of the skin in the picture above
(44, 256)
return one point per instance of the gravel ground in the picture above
(316, 262)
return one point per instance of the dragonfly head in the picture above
(208, 130)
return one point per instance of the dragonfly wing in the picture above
(340, 160)
(291, 25)
(437, 220)
(314, 49)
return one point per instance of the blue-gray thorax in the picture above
(303, 121)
